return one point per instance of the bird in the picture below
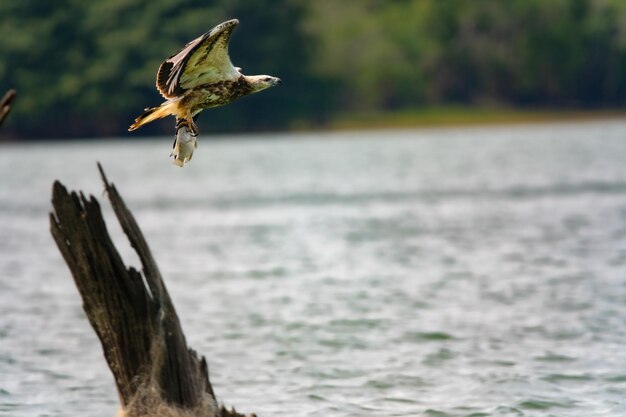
(200, 76)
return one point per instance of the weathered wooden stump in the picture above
(131, 311)
(5, 104)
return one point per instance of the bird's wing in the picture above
(201, 61)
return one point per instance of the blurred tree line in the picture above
(88, 68)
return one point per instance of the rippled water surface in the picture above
(463, 272)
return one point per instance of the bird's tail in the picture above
(154, 113)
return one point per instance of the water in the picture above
(462, 272)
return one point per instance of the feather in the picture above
(200, 76)
(201, 61)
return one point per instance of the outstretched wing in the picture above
(201, 61)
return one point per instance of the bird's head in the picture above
(261, 82)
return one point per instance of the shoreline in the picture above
(428, 117)
(462, 116)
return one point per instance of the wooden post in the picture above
(5, 104)
(156, 374)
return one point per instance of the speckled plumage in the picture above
(200, 76)
(216, 94)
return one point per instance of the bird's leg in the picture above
(187, 123)
(182, 123)
(192, 126)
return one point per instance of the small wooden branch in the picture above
(5, 104)
(130, 311)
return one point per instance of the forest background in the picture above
(87, 69)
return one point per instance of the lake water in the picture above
(437, 272)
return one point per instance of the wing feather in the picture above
(201, 61)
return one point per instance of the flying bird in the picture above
(198, 77)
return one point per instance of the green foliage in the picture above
(88, 68)
(411, 52)
(269, 40)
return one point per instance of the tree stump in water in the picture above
(131, 312)
(5, 104)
